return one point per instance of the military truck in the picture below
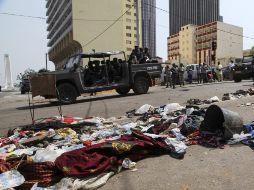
(244, 70)
(95, 72)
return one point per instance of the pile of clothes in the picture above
(72, 153)
(238, 94)
(228, 96)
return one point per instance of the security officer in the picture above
(174, 75)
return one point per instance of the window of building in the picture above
(128, 42)
(128, 6)
(128, 20)
(128, 13)
(129, 49)
(128, 34)
(135, 28)
(128, 27)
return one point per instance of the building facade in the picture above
(75, 26)
(229, 40)
(193, 44)
(197, 12)
(149, 25)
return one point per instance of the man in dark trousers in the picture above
(181, 71)
(199, 73)
(167, 75)
(174, 75)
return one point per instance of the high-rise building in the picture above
(149, 25)
(81, 26)
(197, 12)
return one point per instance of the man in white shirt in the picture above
(219, 72)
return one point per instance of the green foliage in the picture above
(252, 50)
(24, 75)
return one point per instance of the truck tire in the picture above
(237, 79)
(67, 93)
(123, 91)
(141, 85)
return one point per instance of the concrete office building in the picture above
(149, 25)
(193, 44)
(72, 24)
(197, 12)
(182, 46)
(229, 40)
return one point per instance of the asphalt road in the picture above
(202, 168)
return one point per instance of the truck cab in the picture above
(244, 70)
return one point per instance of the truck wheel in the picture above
(237, 79)
(123, 91)
(67, 93)
(141, 85)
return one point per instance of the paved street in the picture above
(229, 168)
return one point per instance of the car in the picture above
(227, 73)
(244, 70)
(24, 86)
(194, 68)
(95, 72)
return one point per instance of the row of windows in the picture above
(130, 35)
(129, 28)
(129, 20)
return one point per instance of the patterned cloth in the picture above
(104, 157)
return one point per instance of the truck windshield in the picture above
(72, 61)
(247, 59)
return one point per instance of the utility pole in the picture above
(46, 61)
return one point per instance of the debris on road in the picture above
(73, 152)
(227, 96)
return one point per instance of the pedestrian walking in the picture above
(181, 70)
(199, 73)
(174, 75)
(219, 72)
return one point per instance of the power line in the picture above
(105, 20)
(21, 15)
(96, 37)
(187, 19)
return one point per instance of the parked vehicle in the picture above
(194, 68)
(244, 70)
(25, 86)
(227, 73)
(95, 72)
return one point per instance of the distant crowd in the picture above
(174, 74)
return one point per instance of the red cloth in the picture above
(108, 156)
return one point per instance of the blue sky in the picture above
(24, 39)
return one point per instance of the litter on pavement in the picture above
(83, 153)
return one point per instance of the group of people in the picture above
(206, 74)
(175, 74)
(139, 55)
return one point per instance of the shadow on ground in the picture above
(87, 99)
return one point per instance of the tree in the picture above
(24, 75)
(252, 50)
